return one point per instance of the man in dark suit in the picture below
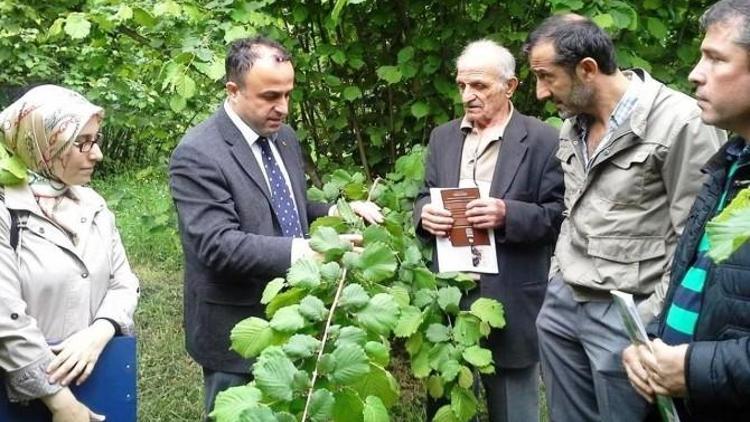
(512, 157)
(239, 188)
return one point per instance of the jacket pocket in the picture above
(617, 258)
(626, 161)
(731, 332)
(572, 171)
(622, 178)
(733, 281)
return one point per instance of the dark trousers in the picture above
(214, 382)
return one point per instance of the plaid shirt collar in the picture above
(620, 114)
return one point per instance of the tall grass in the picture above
(169, 382)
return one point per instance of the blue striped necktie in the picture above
(281, 198)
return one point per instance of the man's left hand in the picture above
(667, 369)
(486, 213)
(368, 210)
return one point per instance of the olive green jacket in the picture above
(624, 214)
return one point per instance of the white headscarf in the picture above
(39, 128)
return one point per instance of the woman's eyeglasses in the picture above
(85, 143)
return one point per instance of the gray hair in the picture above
(482, 50)
(725, 11)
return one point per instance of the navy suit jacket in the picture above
(528, 177)
(230, 235)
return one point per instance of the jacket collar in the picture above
(646, 98)
(637, 123)
(512, 151)
(20, 197)
(240, 150)
(727, 154)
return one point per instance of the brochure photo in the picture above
(465, 249)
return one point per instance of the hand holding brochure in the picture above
(462, 233)
(465, 249)
(637, 333)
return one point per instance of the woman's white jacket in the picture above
(52, 287)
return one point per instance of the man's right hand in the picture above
(66, 408)
(436, 221)
(637, 373)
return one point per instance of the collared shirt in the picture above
(251, 137)
(480, 153)
(620, 115)
(479, 157)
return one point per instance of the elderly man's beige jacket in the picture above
(624, 214)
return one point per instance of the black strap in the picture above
(13, 230)
(13, 223)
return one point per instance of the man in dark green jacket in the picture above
(702, 355)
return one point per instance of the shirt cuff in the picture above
(299, 249)
(31, 382)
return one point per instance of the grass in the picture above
(169, 382)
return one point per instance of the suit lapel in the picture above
(455, 149)
(241, 151)
(512, 151)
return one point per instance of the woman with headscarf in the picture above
(66, 287)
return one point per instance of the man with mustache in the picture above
(702, 355)
(631, 151)
(511, 156)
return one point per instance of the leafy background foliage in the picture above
(373, 77)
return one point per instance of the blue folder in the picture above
(110, 390)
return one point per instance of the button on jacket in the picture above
(52, 287)
(624, 214)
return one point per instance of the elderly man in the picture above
(631, 150)
(512, 156)
(238, 184)
(703, 354)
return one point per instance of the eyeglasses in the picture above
(85, 143)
